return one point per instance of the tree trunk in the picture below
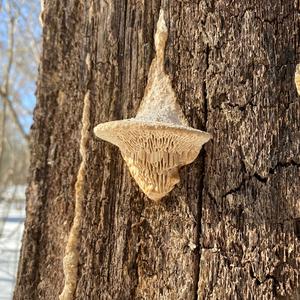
(230, 229)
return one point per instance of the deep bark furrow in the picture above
(202, 185)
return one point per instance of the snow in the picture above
(12, 215)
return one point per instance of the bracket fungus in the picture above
(158, 141)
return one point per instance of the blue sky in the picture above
(27, 36)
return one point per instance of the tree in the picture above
(230, 229)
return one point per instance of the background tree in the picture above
(19, 48)
(230, 230)
(19, 55)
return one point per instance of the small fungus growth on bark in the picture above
(70, 261)
(297, 78)
(158, 141)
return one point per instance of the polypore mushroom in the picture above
(158, 141)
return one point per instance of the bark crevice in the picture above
(260, 178)
(202, 185)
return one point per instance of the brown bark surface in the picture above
(230, 229)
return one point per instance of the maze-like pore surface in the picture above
(154, 157)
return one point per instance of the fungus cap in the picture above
(153, 151)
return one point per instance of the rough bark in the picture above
(230, 230)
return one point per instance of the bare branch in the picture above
(14, 115)
(10, 55)
(4, 93)
(2, 142)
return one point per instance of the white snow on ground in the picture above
(12, 214)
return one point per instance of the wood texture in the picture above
(230, 230)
